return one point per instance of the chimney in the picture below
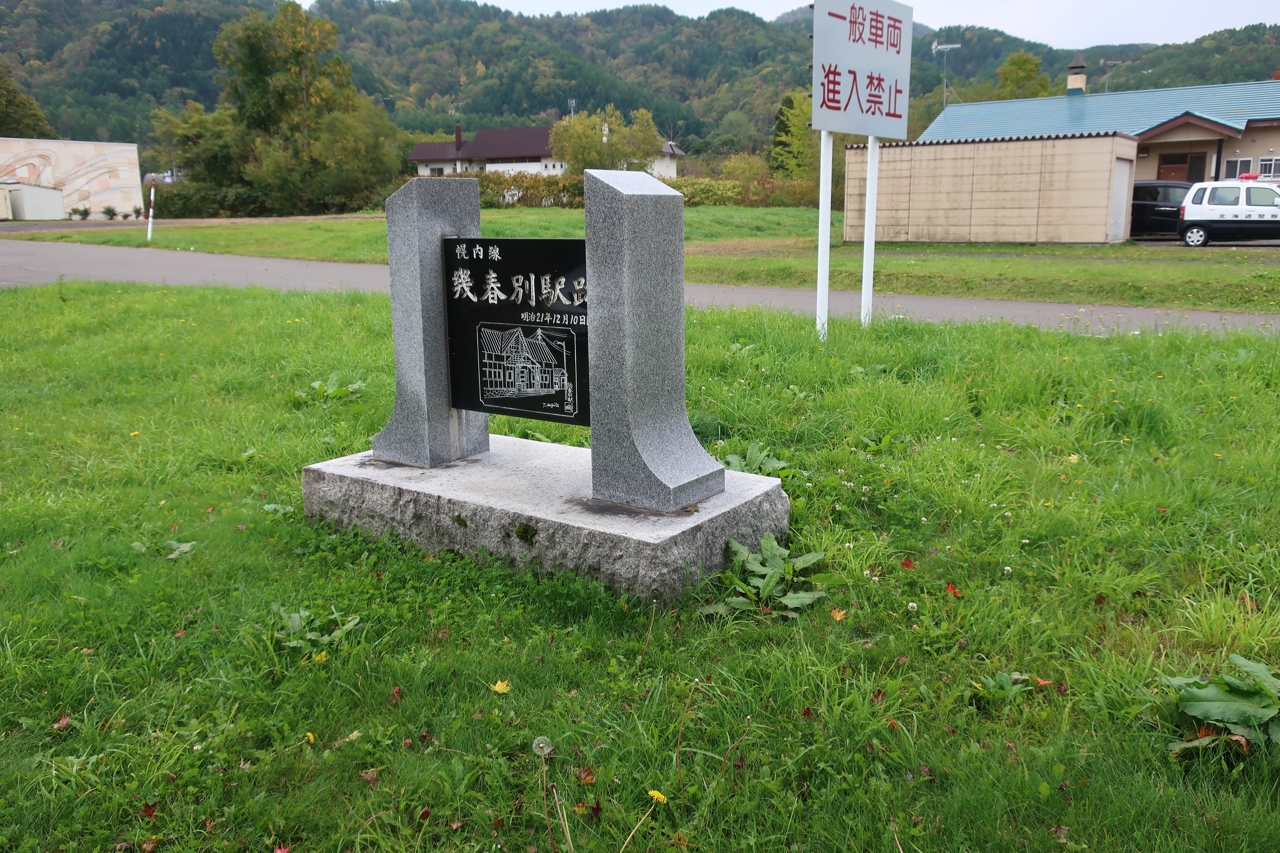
(1076, 78)
(457, 137)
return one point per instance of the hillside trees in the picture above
(291, 134)
(604, 140)
(1020, 77)
(20, 115)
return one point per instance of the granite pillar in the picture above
(643, 450)
(423, 429)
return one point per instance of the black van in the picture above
(1155, 207)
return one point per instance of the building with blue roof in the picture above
(1061, 169)
(1192, 133)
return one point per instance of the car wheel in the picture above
(1195, 237)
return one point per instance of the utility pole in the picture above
(1106, 78)
(945, 49)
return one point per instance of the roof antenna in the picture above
(945, 48)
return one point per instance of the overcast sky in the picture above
(1060, 23)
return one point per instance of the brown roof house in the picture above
(496, 149)
(509, 150)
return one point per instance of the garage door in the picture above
(1120, 189)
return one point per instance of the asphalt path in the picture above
(31, 263)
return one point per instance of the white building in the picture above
(665, 165)
(510, 150)
(497, 149)
(88, 174)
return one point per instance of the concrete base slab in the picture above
(530, 500)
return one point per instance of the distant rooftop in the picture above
(494, 143)
(1225, 108)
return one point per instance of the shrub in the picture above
(109, 211)
(529, 190)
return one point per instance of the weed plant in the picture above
(1031, 530)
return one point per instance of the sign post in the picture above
(151, 214)
(861, 83)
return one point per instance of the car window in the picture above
(1198, 198)
(1146, 193)
(1224, 195)
(1175, 195)
(1261, 197)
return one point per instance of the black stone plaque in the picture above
(517, 312)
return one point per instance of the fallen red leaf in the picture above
(1248, 602)
(596, 809)
(807, 712)
(908, 563)
(1040, 682)
(457, 824)
(180, 633)
(877, 697)
(951, 588)
(423, 736)
(149, 809)
(891, 721)
(64, 723)
(395, 695)
(586, 775)
(425, 813)
(282, 849)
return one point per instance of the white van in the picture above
(1229, 210)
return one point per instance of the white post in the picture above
(824, 232)
(151, 214)
(869, 228)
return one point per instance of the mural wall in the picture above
(92, 174)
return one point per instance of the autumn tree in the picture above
(282, 72)
(792, 153)
(291, 128)
(604, 140)
(20, 115)
(1020, 77)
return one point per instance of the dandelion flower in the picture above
(542, 746)
(658, 796)
(1008, 570)
(311, 738)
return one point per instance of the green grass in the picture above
(776, 247)
(1127, 484)
(1158, 275)
(365, 240)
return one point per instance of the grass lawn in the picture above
(365, 240)
(776, 247)
(1099, 507)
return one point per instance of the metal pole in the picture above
(824, 232)
(869, 228)
(151, 215)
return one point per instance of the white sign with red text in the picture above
(861, 67)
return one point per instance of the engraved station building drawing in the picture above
(515, 365)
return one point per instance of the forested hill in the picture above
(440, 57)
(98, 67)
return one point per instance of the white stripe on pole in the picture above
(869, 228)
(151, 214)
(824, 232)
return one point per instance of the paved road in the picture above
(26, 263)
